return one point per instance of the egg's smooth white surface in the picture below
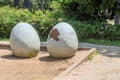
(62, 41)
(24, 40)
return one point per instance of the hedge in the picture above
(44, 21)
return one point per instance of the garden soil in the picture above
(41, 67)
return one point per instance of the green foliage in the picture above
(42, 22)
(79, 9)
(4, 39)
(90, 9)
(6, 2)
(103, 42)
(95, 30)
(10, 17)
(91, 56)
(35, 4)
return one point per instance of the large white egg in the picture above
(24, 40)
(62, 41)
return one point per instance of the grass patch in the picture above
(43, 39)
(103, 42)
(4, 39)
(91, 56)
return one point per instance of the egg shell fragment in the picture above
(62, 41)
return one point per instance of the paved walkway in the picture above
(104, 66)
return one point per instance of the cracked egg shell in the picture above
(62, 41)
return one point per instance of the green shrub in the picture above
(90, 9)
(10, 17)
(35, 4)
(6, 2)
(44, 21)
(95, 30)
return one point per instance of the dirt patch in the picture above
(41, 67)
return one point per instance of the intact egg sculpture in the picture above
(24, 40)
(62, 41)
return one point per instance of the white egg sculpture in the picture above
(62, 41)
(24, 40)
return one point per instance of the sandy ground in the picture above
(105, 66)
(41, 67)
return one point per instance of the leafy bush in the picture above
(35, 4)
(10, 17)
(90, 9)
(96, 30)
(43, 22)
(6, 2)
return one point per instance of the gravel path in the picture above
(104, 66)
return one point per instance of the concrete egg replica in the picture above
(24, 40)
(62, 41)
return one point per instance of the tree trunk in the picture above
(16, 3)
(117, 16)
(27, 4)
(117, 19)
(42, 5)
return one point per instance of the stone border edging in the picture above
(4, 45)
(79, 61)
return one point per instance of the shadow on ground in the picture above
(12, 57)
(109, 53)
(50, 59)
